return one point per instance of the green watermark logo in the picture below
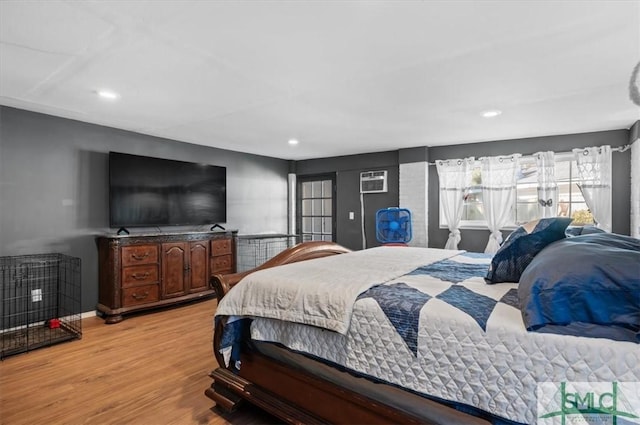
(588, 403)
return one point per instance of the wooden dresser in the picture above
(139, 272)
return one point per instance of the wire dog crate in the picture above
(255, 250)
(39, 302)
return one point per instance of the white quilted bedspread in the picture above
(494, 365)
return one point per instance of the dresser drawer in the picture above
(140, 275)
(139, 295)
(220, 246)
(221, 263)
(141, 254)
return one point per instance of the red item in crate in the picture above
(54, 323)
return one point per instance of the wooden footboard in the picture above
(296, 396)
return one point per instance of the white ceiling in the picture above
(342, 77)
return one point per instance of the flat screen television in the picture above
(147, 192)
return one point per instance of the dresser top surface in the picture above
(166, 234)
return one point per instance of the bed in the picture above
(320, 334)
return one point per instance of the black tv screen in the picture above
(145, 191)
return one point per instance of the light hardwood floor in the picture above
(150, 369)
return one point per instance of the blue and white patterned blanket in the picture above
(403, 303)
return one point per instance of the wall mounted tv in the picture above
(147, 192)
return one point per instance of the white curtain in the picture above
(547, 186)
(498, 195)
(594, 173)
(454, 176)
(635, 189)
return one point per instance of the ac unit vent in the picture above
(373, 181)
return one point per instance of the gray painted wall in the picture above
(409, 155)
(347, 169)
(54, 187)
(476, 240)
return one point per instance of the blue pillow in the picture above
(586, 285)
(522, 245)
(582, 230)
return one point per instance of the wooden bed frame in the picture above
(298, 397)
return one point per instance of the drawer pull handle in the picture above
(140, 297)
(140, 257)
(140, 276)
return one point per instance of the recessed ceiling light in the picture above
(108, 94)
(491, 114)
(293, 142)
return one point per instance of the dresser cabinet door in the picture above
(175, 268)
(199, 266)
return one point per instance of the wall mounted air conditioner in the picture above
(373, 181)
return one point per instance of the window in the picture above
(473, 210)
(570, 200)
(316, 208)
(571, 203)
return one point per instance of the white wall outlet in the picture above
(36, 295)
(351, 215)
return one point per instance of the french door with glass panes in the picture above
(316, 207)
